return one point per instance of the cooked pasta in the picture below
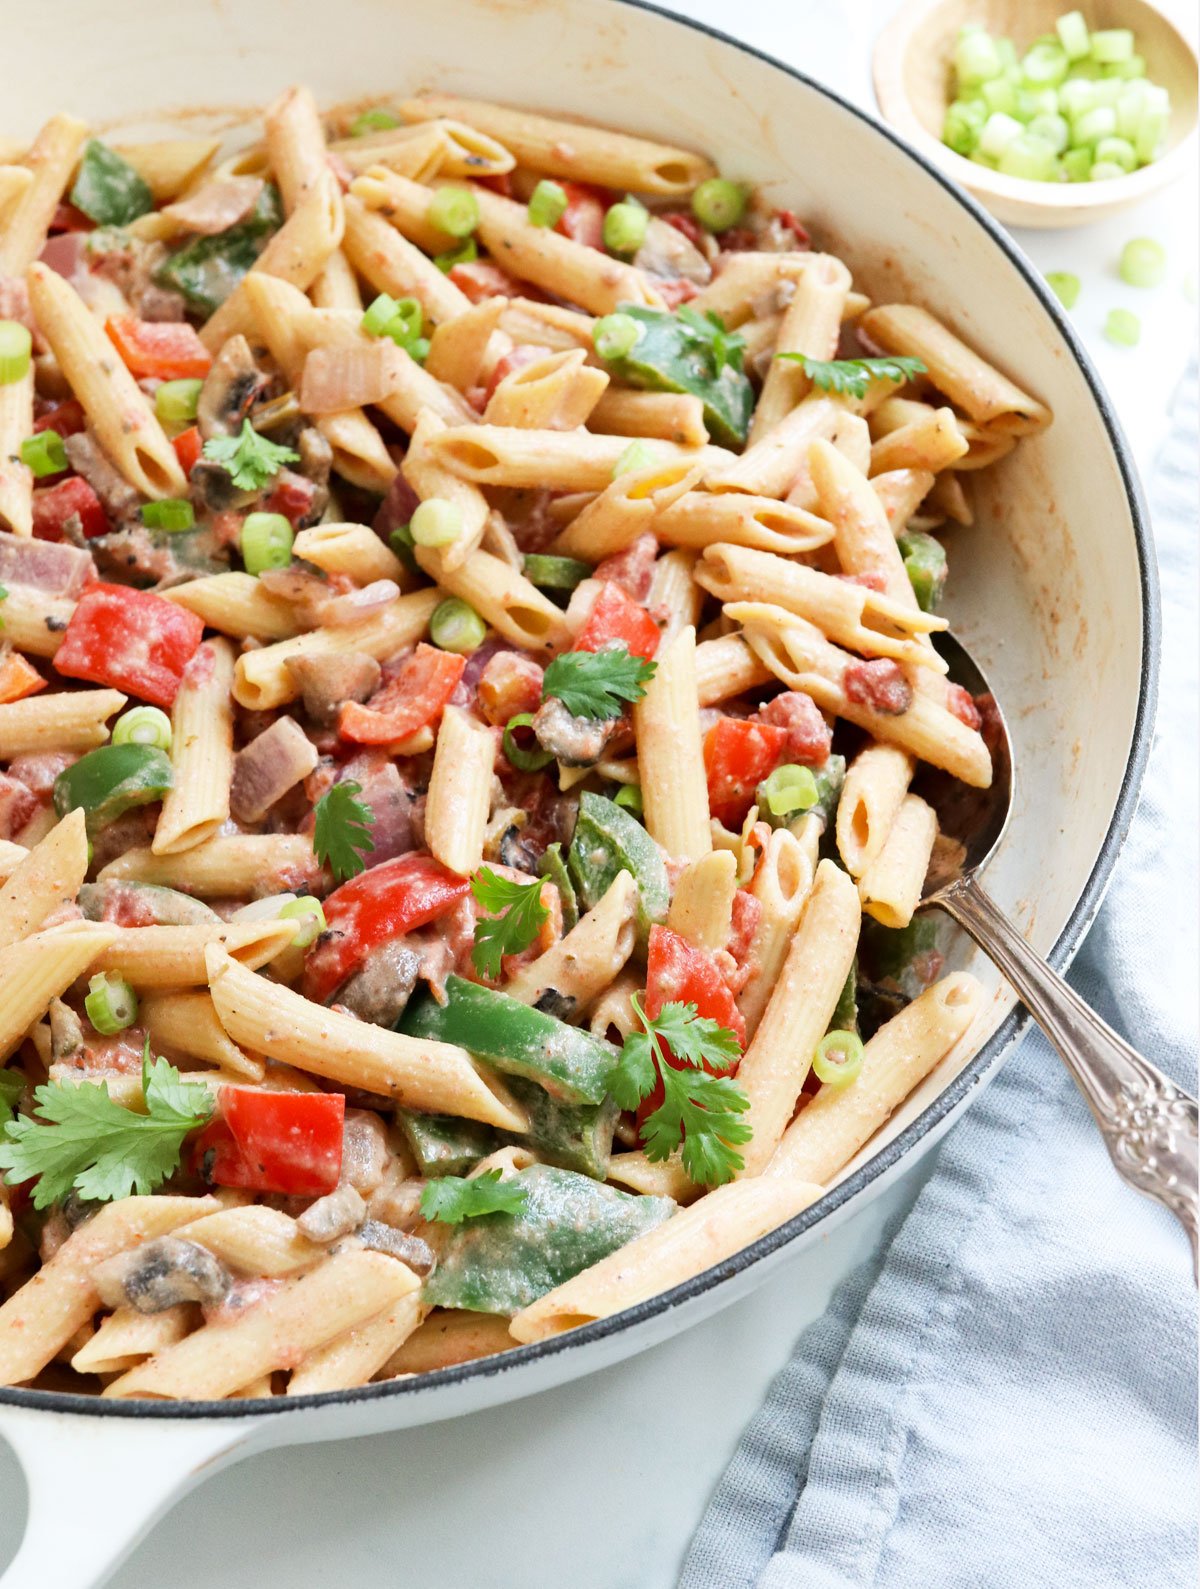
(465, 704)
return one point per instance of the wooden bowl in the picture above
(912, 68)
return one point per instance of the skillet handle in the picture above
(96, 1484)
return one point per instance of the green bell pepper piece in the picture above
(110, 781)
(444, 1144)
(925, 563)
(573, 1136)
(107, 189)
(207, 269)
(163, 907)
(845, 1011)
(572, 1065)
(607, 840)
(673, 356)
(500, 1263)
(895, 966)
(554, 867)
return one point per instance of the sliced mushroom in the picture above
(328, 681)
(417, 1254)
(332, 1216)
(364, 1150)
(160, 1273)
(381, 990)
(230, 386)
(575, 741)
(666, 252)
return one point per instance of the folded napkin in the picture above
(1006, 1397)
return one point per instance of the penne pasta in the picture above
(557, 392)
(74, 720)
(666, 724)
(16, 479)
(51, 160)
(587, 959)
(876, 783)
(811, 325)
(890, 887)
(238, 605)
(173, 957)
(460, 791)
(197, 804)
(188, 1024)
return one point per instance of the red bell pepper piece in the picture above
(54, 505)
(168, 350)
(292, 495)
(738, 755)
(583, 218)
(681, 973)
(67, 418)
(285, 1142)
(372, 909)
(67, 218)
(188, 447)
(480, 279)
(131, 640)
(409, 700)
(617, 617)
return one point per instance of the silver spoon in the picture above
(1149, 1125)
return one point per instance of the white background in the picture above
(600, 1484)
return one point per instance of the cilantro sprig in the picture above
(251, 459)
(86, 1142)
(521, 914)
(596, 684)
(699, 1114)
(342, 834)
(452, 1198)
(727, 347)
(851, 377)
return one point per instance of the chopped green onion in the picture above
(462, 255)
(172, 514)
(143, 725)
(1117, 151)
(1128, 71)
(625, 227)
(788, 789)
(175, 402)
(555, 573)
(266, 542)
(44, 453)
(454, 210)
(614, 336)
(1045, 65)
(1052, 129)
(976, 57)
(838, 1058)
(629, 798)
(436, 522)
(1143, 262)
(638, 455)
(457, 627)
(1072, 30)
(375, 120)
(523, 760)
(1111, 44)
(16, 351)
(111, 1004)
(999, 93)
(1123, 327)
(998, 132)
(547, 203)
(1064, 286)
(401, 542)
(963, 124)
(719, 204)
(1076, 96)
(308, 910)
(1028, 157)
(1077, 165)
(1099, 122)
(378, 314)
(1105, 171)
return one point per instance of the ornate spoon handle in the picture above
(1149, 1125)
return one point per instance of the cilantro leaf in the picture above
(698, 1115)
(522, 914)
(342, 833)
(452, 1198)
(251, 459)
(851, 377)
(595, 683)
(85, 1142)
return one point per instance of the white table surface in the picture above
(571, 1489)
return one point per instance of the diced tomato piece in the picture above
(414, 697)
(880, 685)
(284, 1142)
(131, 640)
(67, 218)
(372, 909)
(500, 183)
(959, 702)
(480, 279)
(681, 973)
(616, 617)
(54, 505)
(292, 495)
(67, 418)
(788, 220)
(688, 225)
(188, 447)
(583, 218)
(809, 736)
(738, 755)
(169, 350)
(18, 678)
(632, 568)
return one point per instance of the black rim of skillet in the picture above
(975, 1071)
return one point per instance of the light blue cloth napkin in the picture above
(1006, 1399)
